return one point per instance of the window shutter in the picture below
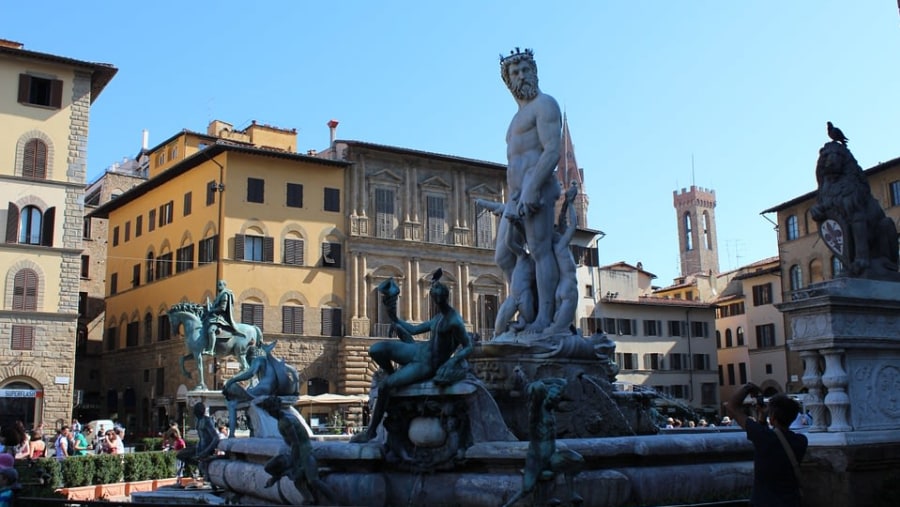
(24, 88)
(47, 232)
(28, 157)
(239, 247)
(56, 88)
(40, 159)
(22, 338)
(328, 255)
(268, 249)
(12, 223)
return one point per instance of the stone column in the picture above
(364, 282)
(812, 380)
(835, 380)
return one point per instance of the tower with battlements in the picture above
(695, 210)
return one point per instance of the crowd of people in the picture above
(69, 440)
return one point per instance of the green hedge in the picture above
(41, 477)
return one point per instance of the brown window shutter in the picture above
(47, 227)
(268, 249)
(24, 88)
(12, 224)
(56, 88)
(238, 247)
(326, 322)
(40, 159)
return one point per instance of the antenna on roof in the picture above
(692, 170)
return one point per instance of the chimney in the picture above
(145, 140)
(332, 126)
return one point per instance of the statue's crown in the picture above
(517, 54)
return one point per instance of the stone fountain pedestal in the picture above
(847, 332)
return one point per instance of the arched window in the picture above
(34, 163)
(792, 228)
(740, 336)
(729, 342)
(718, 339)
(707, 238)
(25, 290)
(148, 328)
(816, 273)
(688, 232)
(796, 277)
(837, 267)
(30, 221)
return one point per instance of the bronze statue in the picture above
(441, 358)
(851, 222)
(543, 460)
(220, 315)
(274, 377)
(300, 465)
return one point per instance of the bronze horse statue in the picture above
(193, 317)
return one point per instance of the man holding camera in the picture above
(777, 450)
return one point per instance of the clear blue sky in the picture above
(741, 88)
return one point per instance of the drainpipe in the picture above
(690, 358)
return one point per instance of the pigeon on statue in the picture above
(836, 135)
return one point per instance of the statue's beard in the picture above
(525, 89)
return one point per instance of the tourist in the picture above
(533, 145)
(777, 450)
(9, 486)
(61, 444)
(171, 437)
(119, 440)
(76, 426)
(36, 446)
(82, 446)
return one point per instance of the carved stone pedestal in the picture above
(847, 332)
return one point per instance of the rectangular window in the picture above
(293, 252)
(254, 248)
(164, 266)
(111, 338)
(768, 368)
(82, 303)
(609, 325)
(765, 336)
(208, 250)
(627, 361)
(163, 328)
(384, 213)
(256, 190)
(331, 322)
(161, 380)
(116, 236)
(731, 374)
(701, 362)
(700, 329)
(127, 231)
(187, 203)
(895, 193)
(708, 393)
(762, 294)
(589, 291)
(85, 266)
(742, 372)
(676, 327)
(294, 195)
(138, 226)
(252, 314)
(435, 221)
(39, 91)
(678, 361)
(625, 326)
(292, 319)
(131, 334)
(113, 284)
(331, 255)
(136, 275)
(86, 230)
(22, 338)
(652, 328)
(484, 228)
(151, 220)
(211, 189)
(653, 361)
(721, 376)
(332, 199)
(184, 259)
(165, 213)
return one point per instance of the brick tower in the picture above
(695, 210)
(568, 171)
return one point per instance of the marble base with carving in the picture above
(847, 332)
(591, 406)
